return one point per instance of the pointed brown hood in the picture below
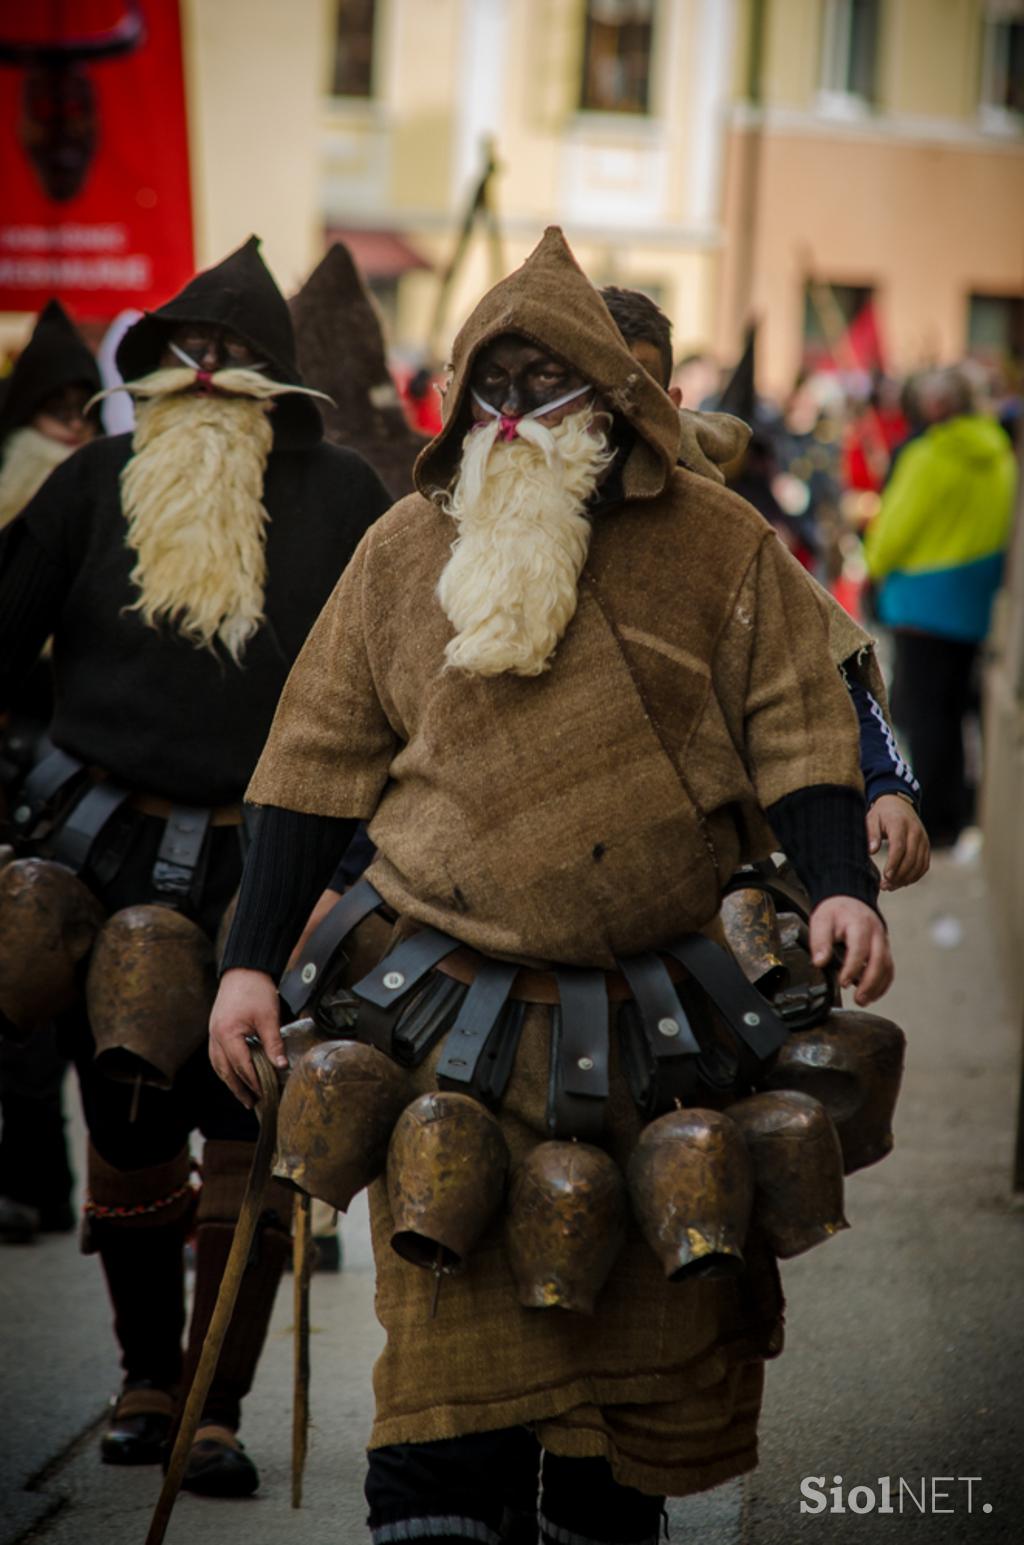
(550, 301)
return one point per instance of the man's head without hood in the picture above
(214, 379)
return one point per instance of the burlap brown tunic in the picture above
(591, 812)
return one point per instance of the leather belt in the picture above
(534, 985)
(180, 852)
(219, 815)
(300, 984)
(76, 838)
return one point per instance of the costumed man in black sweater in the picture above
(178, 570)
(43, 419)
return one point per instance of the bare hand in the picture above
(327, 900)
(246, 1005)
(868, 964)
(894, 821)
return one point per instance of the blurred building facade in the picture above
(720, 154)
(876, 152)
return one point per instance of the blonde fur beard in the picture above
(29, 459)
(192, 495)
(510, 586)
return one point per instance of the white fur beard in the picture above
(192, 495)
(29, 459)
(510, 586)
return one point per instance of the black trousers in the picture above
(933, 691)
(485, 1486)
(34, 1166)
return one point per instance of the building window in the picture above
(352, 75)
(995, 328)
(1002, 69)
(849, 49)
(839, 327)
(617, 56)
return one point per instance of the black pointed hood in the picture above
(239, 293)
(55, 356)
(342, 352)
(739, 396)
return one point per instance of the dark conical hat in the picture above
(341, 351)
(55, 356)
(239, 293)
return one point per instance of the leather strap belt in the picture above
(76, 838)
(46, 780)
(180, 852)
(533, 985)
(477, 1021)
(303, 981)
(752, 1020)
(578, 1082)
(219, 815)
(403, 967)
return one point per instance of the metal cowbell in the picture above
(853, 1064)
(691, 1186)
(149, 992)
(798, 1168)
(565, 1225)
(49, 920)
(337, 1113)
(447, 1170)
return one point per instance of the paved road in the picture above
(904, 1353)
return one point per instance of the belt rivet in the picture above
(586, 1063)
(309, 973)
(393, 980)
(668, 1027)
(751, 1019)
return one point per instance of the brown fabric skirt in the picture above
(664, 1380)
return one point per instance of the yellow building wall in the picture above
(925, 224)
(254, 74)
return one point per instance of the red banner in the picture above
(96, 206)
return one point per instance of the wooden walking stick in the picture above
(302, 1266)
(245, 1230)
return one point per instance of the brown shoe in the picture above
(139, 1425)
(218, 1465)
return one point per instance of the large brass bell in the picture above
(149, 992)
(48, 923)
(853, 1064)
(565, 1225)
(447, 1170)
(798, 1168)
(692, 1187)
(337, 1112)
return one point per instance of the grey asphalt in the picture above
(904, 1345)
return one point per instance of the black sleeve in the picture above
(882, 764)
(33, 586)
(290, 861)
(821, 830)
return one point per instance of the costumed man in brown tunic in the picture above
(178, 570)
(571, 686)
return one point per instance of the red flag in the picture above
(93, 155)
(861, 345)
